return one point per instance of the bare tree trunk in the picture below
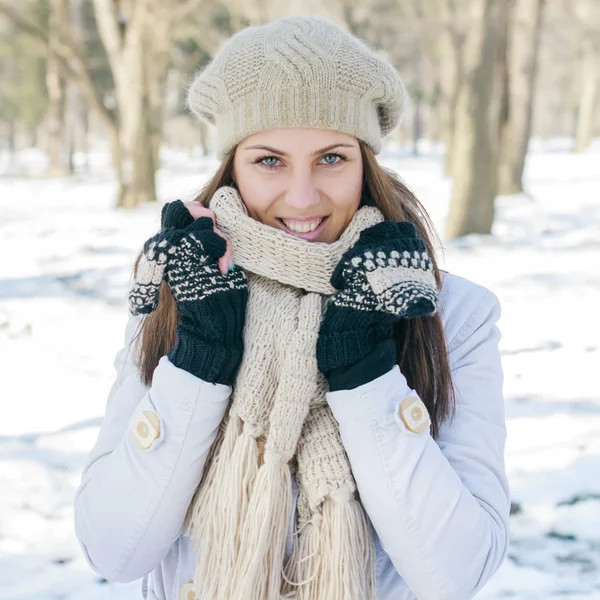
(72, 109)
(449, 58)
(56, 86)
(134, 42)
(476, 129)
(522, 52)
(157, 70)
(71, 62)
(72, 124)
(588, 92)
(55, 124)
(85, 136)
(417, 97)
(76, 103)
(11, 139)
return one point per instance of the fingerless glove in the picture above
(212, 306)
(386, 276)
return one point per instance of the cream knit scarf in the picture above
(279, 423)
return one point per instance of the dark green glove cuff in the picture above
(351, 343)
(375, 364)
(209, 340)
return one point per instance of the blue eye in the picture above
(332, 159)
(272, 162)
(269, 161)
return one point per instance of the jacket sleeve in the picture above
(132, 501)
(441, 510)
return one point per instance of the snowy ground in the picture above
(66, 258)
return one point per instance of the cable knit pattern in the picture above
(298, 72)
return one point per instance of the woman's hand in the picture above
(197, 211)
(386, 276)
(190, 254)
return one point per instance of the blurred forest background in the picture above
(95, 137)
(484, 76)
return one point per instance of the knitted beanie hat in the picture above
(297, 72)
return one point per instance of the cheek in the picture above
(347, 193)
(258, 195)
(250, 189)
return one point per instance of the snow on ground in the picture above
(66, 260)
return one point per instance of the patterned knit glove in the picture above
(386, 276)
(212, 306)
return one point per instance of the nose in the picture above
(302, 193)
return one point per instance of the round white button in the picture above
(145, 428)
(414, 414)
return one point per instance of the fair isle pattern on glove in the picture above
(387, 276)
(143, 296)
(389, 271)
(211, 306)
(150, 272)
(186, 258)
(193, 274)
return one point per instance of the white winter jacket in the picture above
(439, 509)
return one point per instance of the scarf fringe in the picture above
(303, 564)
(241, 529)
(265, 532)
(194, 518)
(335, 557)
(242, 526)
(215, 538)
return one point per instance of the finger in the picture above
(197, 210)
(226, 261)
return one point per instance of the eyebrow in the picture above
(315, 153)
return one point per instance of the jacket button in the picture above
(414, 414)
(186, 591)
(145, 429)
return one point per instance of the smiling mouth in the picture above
(305, 229)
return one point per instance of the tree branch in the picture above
(175, 11)
(67, 55)
(109, 28)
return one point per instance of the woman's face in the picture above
(307, 182)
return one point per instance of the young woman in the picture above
(311, 409)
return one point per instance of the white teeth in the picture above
(302, 226)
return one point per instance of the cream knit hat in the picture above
(297, 72)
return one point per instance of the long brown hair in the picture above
(420, 344)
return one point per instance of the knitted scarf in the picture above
(279, 423)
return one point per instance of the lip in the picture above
(309, 236)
